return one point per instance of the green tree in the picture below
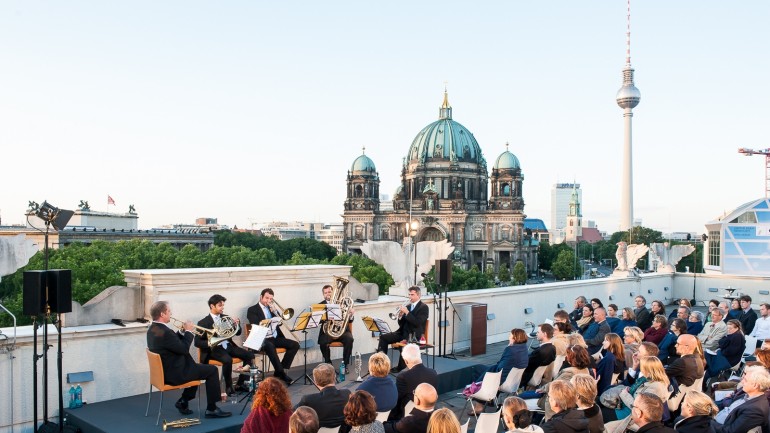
(564, 266)
(490, 272)
(639, 235)
(469, 280)
(519, 273)
(503, 274)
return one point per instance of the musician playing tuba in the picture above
(332, 296)
(266, 309)
(225, 351)
(412, 318)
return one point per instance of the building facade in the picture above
(447, 193)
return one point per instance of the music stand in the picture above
(306, 320)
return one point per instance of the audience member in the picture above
(748, 316)
(762, 325)
(514, 356)
(689, 367)
(561, 316)
(652, 380)
(596, 303)
(517, 418)
(585, 388)
(713, 331)
(361, 412)
(750, 411)
(560, 338)
(425, 398)
(578, 361)
(643, 316)
(329, 401)
(408, 379)
(678, 312)
(695, 323)
(443, 421)
(657, 308)
(612, 316)
(577, 313)
(712, 305)
(647, 414)
(735, 309)
(697, 412)
(303, 420)
(271, 409)
(542, 355)
(632, 338)
(627, 318)
(586, 320)
(613, 362)
(658, 330)
(595, 333)
(379, 383)
(667, 347)
(566, 418)
(731, 348)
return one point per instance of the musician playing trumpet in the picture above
(264, 310)
(225, 351)
(412, 317)
(325, 339)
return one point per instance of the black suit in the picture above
(643, 318)
(743, 418)
(406, 382)
(219, 353)
(178, 366)
(417, 422)
(255, 315)
(328, 404)
(346, 339)
(748, 319)
(410, 324)
(543, 355)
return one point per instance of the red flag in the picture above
(110, 201)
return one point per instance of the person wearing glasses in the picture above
(689, 367)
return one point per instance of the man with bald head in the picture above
(689, 367)
(425, 397)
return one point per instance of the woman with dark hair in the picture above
(514, 356)
(587, 319)
(517, 418)
(612, 316)
(627, 318)
(735, 309)
(560, 340)
(361, 413)
(713, 304)
(613, 361)
(271, 409)
(667, 346)
(596, 303)
(657, 308)
(731, 348)
(655, 333)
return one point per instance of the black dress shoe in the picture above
(229, 390)
(182, 407)
(218, 413)
(241, 388)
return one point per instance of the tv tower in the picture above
(627, 98)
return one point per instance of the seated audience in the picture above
(627, 318)
(271, 409)
(667, 347)
(748, 316)
(652, 380)
(586, 320)
(695, 323)
(612, 316)
(329, 402)
(714, 331)
(425, 398)
(647, 414)
(560, 338)
(613, 361)
(657, 308)
(409, 378)
(577, 313)
(735, 309)
(303, 420)
(595, 333)
(379, 383)
(514, 356)
(517, 418)
(578, 361)
(762, 325)
(596, 303)
(643, 315)
(730, 351)
(443, 421)
(689, 366)
(585, 388)
(750, 411)
(697, 413)
(655, 333)
(542, 355)
(567, 418)
(361, 412)
(632, 338)
(683, 303)
(712, 305)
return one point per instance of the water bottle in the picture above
(78, 396)
(72, 397)
(342, 371)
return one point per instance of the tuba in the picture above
(340, 295)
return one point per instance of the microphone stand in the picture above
(454, 314)
(437, 309)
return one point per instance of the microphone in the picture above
(424, 275)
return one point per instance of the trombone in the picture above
(284, 313)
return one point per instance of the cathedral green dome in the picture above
(445, 139)
(507, 161)
(363, 164)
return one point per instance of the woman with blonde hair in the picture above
(697, 412)
(443, 421)
(271, 409)
(653, 380)
(379, 383)
(632, 338)
(517, 418)
(585, 387)
(576, 339)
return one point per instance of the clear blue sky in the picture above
(254, 111)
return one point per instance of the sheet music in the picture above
(382, 325)
(256, 337)
(316, 318)
(333, 312)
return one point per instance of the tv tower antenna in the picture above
(766, 152)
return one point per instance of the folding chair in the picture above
(158, 380)
(549, 374)
(675, 401)
(488, 422)
(423, 347)
(512, 382)
(487, 393)
(383, 416)
(537, 376)
(464, 427)
(408, 407)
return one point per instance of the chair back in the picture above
(675, 401)
(489, 387)
(537, 375)
(383, 416)
(555, 367)
(329, 429)
(464, 427)
(513, 381)
(157, 379)
(614, 378)
(751, 345)
(408, 408)
(488, 422)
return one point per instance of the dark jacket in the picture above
(643, 318)
(255, 315)
(594, 337)
(406, 382)
(575, 315)
(543, 355)
(416, 422)
(619, 327)
(731, 347)
(328, 404)
(604, 370)
(383, 389)
(595, 421)
(655, 427)
(568, 421)
(694, 328)
(514, 356)
(667, 348)
(694, 424)
(685, 370)
(202, 341)
(655, 336)
(414, 321)
(745, 417)
(174, 350)
(748, 319)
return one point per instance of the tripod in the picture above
(454, 314)
(253, 383)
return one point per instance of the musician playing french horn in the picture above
(346, 338)
(412, 317)
(265, 309)
(225, 351)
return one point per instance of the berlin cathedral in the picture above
(447, 193)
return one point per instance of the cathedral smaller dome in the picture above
(363, 163)
(507, 160)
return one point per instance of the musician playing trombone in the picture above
(412, 317)
(265, 310)
(325, 339)
(225, 351)
(178, 366)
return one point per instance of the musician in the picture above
(264, 310)
(178, 366)
(412, 318)
(226, 350)
(346, 338)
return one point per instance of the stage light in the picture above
(58, 218)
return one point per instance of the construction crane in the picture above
(766, 152)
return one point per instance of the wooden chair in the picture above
(423, 347)
(158, 380)
(339, 343)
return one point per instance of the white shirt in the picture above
(761, 328)
(269, 315)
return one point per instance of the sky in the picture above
(253, 111)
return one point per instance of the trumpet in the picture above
(181, 423)
(397, 314)
(197, 330)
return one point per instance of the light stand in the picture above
(454, 314)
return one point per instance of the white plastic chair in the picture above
(537, 376)
(512, 381)
(751, 345)
(488, 422)
(383, 416)
(488, 391)
(675, 401)
(408, 408)
(329, 429)
(464, 427)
